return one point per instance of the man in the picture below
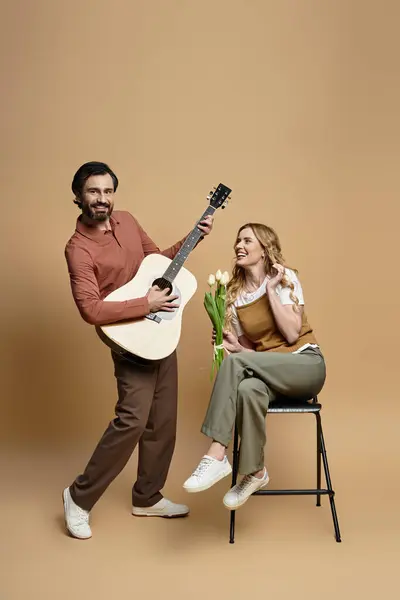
(103, 254)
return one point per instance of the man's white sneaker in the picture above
(163, 508)
(76, 519)
(209, 471)
(242, 491)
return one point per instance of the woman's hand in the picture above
(274, 281)
(230, 342)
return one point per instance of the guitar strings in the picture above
(163, 283)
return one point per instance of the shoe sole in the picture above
(207, 486)
(152, 514)
(70, 533)
(245, 500)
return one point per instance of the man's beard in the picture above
(97, 215)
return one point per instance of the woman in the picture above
(272, 352)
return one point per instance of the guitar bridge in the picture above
(153, 317)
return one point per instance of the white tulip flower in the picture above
(218, 275)
(225, 278)
(211, 280)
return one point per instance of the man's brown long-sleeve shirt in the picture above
(101, 261)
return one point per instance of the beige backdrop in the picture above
(294, 104)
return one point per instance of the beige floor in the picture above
(284, 546)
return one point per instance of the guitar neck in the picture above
(188, 245)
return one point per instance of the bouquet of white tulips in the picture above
(215, 306)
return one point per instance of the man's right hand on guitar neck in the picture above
(160, 300)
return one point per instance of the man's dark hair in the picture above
(86, 171)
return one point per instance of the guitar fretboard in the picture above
(186, 249)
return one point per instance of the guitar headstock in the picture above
(219, 196)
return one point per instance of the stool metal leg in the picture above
(329, 483)
(235, 466)
(318, 457)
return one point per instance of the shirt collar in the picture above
(92, 232)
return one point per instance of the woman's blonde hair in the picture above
(271, 245)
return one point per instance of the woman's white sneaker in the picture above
(242, 491)
(209, 471)
(76, 518)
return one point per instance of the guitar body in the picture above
(146, 338)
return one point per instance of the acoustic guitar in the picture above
(157, 335)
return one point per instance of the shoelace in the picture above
(244, 484)
(203, 466)
(82, 516)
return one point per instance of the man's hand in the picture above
(206, 225)
(160, 300)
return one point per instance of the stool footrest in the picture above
(293, 492)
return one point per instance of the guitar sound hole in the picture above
(163, 284)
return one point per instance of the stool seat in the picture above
(290, 405)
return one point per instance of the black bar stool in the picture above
(287, 405)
